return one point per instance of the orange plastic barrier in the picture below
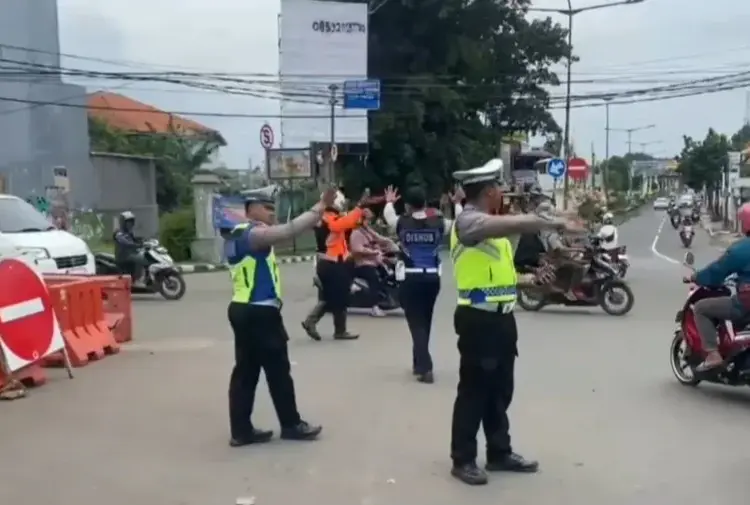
(118, 306)
(80, 312)
(30, 376)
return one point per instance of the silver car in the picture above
(661, 204)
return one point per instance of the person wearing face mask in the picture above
(334, 267)
(260, 339)
(420, 231)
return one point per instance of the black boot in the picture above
(302, 431)
(254, 437)
(512, 463)
(339, 327)
(469, 474)
(313, 318)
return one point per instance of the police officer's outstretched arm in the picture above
(474, 227)
(262, 237)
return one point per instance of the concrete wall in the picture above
(126, 183)
(37, 137)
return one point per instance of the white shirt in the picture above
(391, 217)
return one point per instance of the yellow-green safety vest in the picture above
(484, 273)
(243, 277)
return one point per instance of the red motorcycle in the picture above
(686, 351)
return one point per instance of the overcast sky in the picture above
(653, 43)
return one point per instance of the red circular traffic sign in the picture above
(578, 169)
(266, 136)
(27, 319)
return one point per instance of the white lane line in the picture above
(21, 310)
(656, 241)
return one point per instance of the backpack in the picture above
(530, 248)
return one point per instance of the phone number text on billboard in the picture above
(338, 27)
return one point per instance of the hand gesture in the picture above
(458, 195)
(365, 198)
(328, 197)
(391, 195)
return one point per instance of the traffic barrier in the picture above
(79, 308)
(30, 376)
(118, 306)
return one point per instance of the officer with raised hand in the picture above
(260, 339)
(418, 270)
(486, 279)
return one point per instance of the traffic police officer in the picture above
(486, 279)
(260, 339)
(420, 236)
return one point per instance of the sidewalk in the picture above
(196, 268)
(719, 238)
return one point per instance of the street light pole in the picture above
(570, 12)
(605, 172)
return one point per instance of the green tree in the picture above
(178, 155)
(457, 77)
(741, 139)
(703, 162)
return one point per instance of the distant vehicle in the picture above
(661, 203)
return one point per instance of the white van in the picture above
(55, 251)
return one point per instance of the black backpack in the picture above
(528, 252)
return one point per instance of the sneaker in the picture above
(345, 336)
(512, 463)
(425, 378)
(302, 431)
(469, 474)
(377, 312)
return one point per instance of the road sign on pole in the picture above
(556, 168)
(28, 325)
(334, 152)
(578, 169)
(362, 94)
(266, 136)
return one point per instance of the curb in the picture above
(197, 268)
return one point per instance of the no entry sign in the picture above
(578, 169)
(28, 325)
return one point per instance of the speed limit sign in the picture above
(266, 136)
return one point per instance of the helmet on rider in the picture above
(743, 217)
(127, 221)
(608, 218)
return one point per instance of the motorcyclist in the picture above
(608, 232)
(128, 254)
(735, 260)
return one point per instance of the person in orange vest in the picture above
(335, 268)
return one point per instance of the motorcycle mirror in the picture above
(689, 259)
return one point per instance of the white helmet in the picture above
(607, 218)
(339, 203)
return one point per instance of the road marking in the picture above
(656, 241)
(21, 310)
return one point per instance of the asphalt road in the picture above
(595, 402)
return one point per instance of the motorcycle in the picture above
(602, 286)
(160, 275)
(686, 351)
(674, 218)
(360, 295)
(686, 235)
(619, 258)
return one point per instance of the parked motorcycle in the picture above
(686, 351)
(602, 286)
(361, 294)
(160, 275)
(686, 235)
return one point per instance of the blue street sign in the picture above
(556, 168)
(363, 94)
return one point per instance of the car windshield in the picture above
(17, 216)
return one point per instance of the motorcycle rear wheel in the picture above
(604, 300)
(529, 302)
(676, 361)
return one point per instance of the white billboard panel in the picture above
(321, 44)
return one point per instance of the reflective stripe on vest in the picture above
(484, 273)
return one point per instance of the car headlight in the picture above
(39, 253)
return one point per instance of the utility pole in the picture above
(331, 171)
(605, 172)
(630, 131)
(570, 12)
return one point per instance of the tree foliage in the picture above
(457, 76)
(617, 169)
(703, 161)
(177, 156)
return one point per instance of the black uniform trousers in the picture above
(418, 294)
(260, 342)
(487, 344)
(336, 281)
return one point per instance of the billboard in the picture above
(288, 164)
(322, 44)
